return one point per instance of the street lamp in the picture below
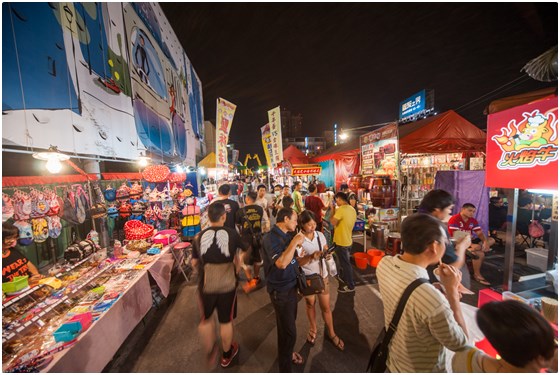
(344, 136)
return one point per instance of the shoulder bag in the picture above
(219, 278)
(378, 358)
(314, 283)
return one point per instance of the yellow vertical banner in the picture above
(276, 153)
(224, 118)
(267, 144)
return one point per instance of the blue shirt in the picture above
(274, 244)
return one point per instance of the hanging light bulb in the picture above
(54, 166)
(53, 158)
(202, 171)
(143, 161)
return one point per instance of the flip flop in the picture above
(339, 344)
(311, 336)
(297, 359)
(482, 280)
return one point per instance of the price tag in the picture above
(27, 324)
(40, 323)
(20, 329)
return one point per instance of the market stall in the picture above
(343, 159)
(443, 142)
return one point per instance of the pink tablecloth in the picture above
(96, 347)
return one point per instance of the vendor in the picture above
(13, 262)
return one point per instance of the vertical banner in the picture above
(224, 118)
(267, 145)
(274, 120)
(380, 152)
(522, 146)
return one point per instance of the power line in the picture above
(522, 78)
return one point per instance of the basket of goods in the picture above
(138, 245)
(137, 230)
(177, 177)
(156, 173)
(165, 237)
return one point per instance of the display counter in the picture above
(30, 337)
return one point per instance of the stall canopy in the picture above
(295, 156)
(517, 100)
(209, 161)
(348, 149)
(444, 133)
(343, 159)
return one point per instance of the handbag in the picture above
(219, 278)
(378, 359)
(536, 229)
(314, 283)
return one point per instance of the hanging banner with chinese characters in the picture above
(380, 152)
(224, 118)
(522, 146)
(274, 120)
(267, 144)
(306, 170)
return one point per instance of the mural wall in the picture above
(108, 79)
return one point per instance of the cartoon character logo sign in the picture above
(522, 146)
(532, 141)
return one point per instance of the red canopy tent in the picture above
(346, 159)
(444, 133)
(295, 156)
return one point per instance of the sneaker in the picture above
(249, 286)
(225, 362)
(346, 289)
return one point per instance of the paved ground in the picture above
(168, 341)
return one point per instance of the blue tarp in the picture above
(327, 172)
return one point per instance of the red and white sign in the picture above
(309, 170)
(522, 146)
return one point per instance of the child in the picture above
(13, 262)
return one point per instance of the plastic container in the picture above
(375, 256)
(17, 284)
(362, 260)
(537, 257)
(84, 319)
(165, 237)
(67, 332)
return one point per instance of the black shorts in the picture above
(254, 253)
(225, 303)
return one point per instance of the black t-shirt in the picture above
(250, 215)
(14, 264)
(231, 211)
(217, 245)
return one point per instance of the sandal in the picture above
(337, 342)
(311, 336)
(482, 280)
(297, 359)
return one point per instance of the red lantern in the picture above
(177, 177)
(156, 173)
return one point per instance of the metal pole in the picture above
(512, 197)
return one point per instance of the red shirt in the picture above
(315, 205)
(456, 223)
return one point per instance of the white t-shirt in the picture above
(309, 247)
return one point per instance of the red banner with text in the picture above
(522, 146)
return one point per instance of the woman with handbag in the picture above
(313, 260)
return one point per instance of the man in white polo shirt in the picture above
(430, 320)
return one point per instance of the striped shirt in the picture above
(427, 324)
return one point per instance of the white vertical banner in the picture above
(224, 118)
(274, 121)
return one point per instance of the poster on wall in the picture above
(522, 146)
(380, 152)
(107, 79)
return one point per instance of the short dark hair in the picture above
(224, 189)
(261, 186)
(468, 205)
(523, 201)
(343, 186)
(252, 195)
(305, 217)
(9, 230)
(436, 199)
(342, 196)
(297, 183)
(278, 186)
(287, 202)
(283, 213)
(418, 231)
(495, 200)
(215, 211)
(312, 188)
(517, 331)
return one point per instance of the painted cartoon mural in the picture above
(107, 79)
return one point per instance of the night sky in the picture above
(352, 64)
